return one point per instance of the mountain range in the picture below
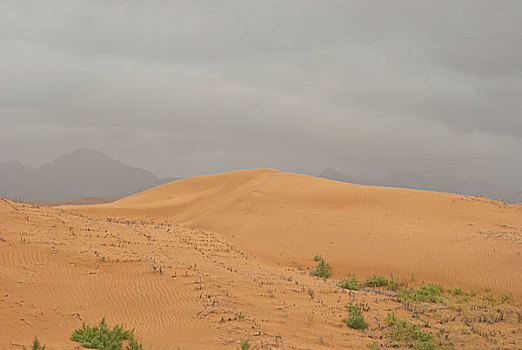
(90, 173)
(81, 173)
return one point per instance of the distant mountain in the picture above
(82, 173)
(433, 183)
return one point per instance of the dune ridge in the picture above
(284, 219)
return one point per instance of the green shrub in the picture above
(36, 345)
(323, 269)
(376, 281)
(392, 284)
(350, 283)
(505, 298)
(355, 317)
(490, 297)
(133, 345)
(103, 338)
(240, 315)
(427, 293)
(408, 334)
(245, 344)
(457, 291)
(373, 345)
(430, 292)
(318, 258)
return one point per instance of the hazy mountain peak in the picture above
(82, 173)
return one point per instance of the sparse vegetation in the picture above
(245, 344)
(323, 269)
(505, 298)
(373, 345)
(456, 291)
(393, 284)
(355, 317)
(427, 292)
(407, 334)
(36, 345)
(350, 283)
(133, 345)
(240, 315)
(103, 338)
(376, 281)
(318, 258)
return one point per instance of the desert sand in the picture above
(284, 219)
(181, 261)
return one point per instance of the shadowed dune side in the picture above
(284, 218)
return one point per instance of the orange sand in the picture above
(284, 219)
(245, 241)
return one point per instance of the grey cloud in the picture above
(189, 87)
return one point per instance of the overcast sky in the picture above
(192, 87)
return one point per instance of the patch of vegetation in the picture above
(36, 345)
(240, 315)
(490, 297)
(376, 281)
(427, 292)
(318, 258)
(407, 334)
(133, 345)
(393, 284)
(456, 291)
(355, 317)
(323, 269)
(245, 344)
(103, 338)
(350, 283)
(505, 298)
(373, 345)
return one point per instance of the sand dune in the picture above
(284, 219)
(59, 269)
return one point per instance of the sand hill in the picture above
(284, 219)
(208, 262)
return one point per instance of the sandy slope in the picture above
(285, 219)
(58, 269)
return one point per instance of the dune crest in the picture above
(284, 218)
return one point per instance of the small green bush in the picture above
(318, 258)
(240, 315)
(133, 345)
(350, 283)
(373, 345)
(323, 269)
(376, 281)
(430, 292)
(392, 284)
(427, 293)
(36, 345)
(407, 334)
(245, 344)
(458, 291)
(355, 317)
(505, 298)
(103, 338)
